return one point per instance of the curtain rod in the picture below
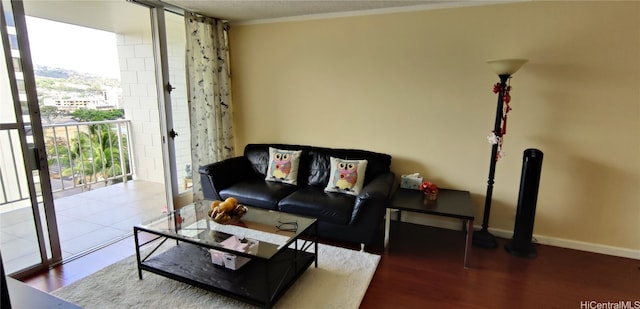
(159, 4)
(170, 7)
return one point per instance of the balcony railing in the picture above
(81, 155)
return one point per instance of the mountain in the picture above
(64, 84)
(45, 71)
(74, 76)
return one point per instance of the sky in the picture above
(73, 47)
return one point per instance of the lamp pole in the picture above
(482, 238)
(504, 68)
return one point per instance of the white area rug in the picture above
(340, 281)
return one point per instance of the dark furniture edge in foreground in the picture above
(25, 296)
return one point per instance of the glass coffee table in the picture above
(283, 247)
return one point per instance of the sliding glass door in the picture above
(169, 41)
(28, 236)
(176, 46)
(178, 114)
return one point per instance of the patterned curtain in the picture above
(209, 82)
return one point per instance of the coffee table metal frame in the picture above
(262, 281)
(450, 203)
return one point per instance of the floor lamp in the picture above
(504, 68)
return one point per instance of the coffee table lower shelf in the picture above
(259, 282)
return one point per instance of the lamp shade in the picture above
(506, 66)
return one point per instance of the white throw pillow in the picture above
(346, 176)
(283, 165)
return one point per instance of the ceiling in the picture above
(116, 16)
(122, 16)
(242, 11)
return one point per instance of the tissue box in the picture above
(230, 260)
(410, 182)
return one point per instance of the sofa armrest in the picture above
(379, 187)
(225, 173)
(374, 196)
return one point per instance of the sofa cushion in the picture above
(314, 202)
(258, 193)
(283, 166)
(347, 176)
(258, 156)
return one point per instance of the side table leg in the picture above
(467, 249)
(387, 226)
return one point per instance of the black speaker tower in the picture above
(521, 244)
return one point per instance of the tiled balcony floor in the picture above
(85, 220)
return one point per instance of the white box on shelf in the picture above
(234, 262)
(217, 257)
(230, 260)
(412, 181)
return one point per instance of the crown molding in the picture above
(404, 9)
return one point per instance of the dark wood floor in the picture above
(422, 268)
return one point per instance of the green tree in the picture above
(49, 112)
(93, 156)
(85, 115)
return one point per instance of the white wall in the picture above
(140, 101)
(140, 104)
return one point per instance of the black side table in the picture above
(450, 203)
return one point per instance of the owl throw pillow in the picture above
(283, 165)
(347, 176)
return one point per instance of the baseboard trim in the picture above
(574, 244)
(541, 239)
